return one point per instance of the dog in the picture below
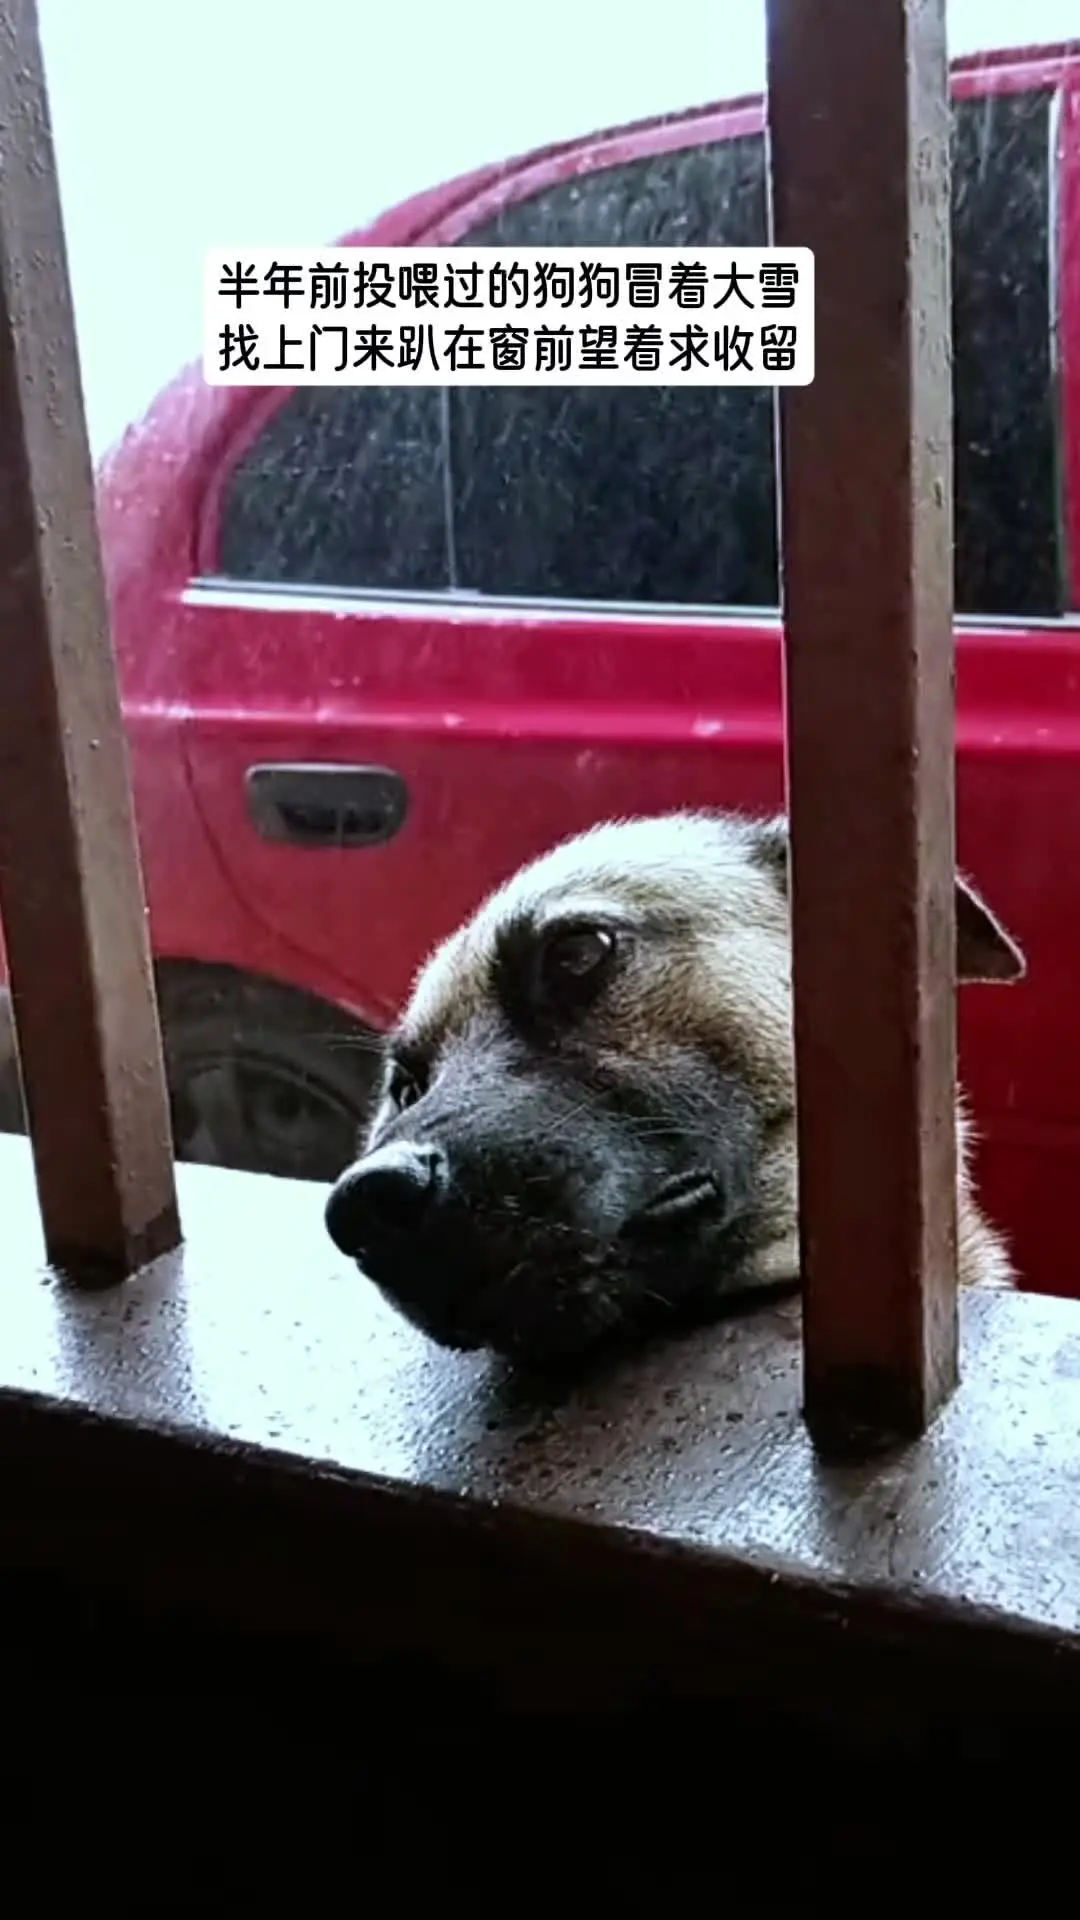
(587, 1122)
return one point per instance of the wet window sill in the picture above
(248, 1420)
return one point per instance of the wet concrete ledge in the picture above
(246, 1437)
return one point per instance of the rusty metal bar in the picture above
(859, 154)
(71, 893)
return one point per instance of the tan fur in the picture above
(722, 982)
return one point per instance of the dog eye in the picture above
(575, 961)
(404, 1088)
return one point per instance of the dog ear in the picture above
(984, 951)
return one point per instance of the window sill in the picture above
(247, 1427)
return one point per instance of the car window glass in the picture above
(657, 495)
(344, 488)
(646, 494)
(601, 493)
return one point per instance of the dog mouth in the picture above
(681, 1204)
(546, 1316)
(561, 1296)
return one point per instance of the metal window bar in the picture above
(71, 891)
(858, 123)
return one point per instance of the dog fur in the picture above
(620, 1146)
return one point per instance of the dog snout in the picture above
(384, 1196)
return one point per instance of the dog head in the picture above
(584, 1089)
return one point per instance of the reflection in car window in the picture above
(661, 495)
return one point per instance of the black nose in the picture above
(387, 1193)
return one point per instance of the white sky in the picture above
(185, 124)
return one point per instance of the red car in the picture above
(378, 647)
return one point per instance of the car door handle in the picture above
(326, 806)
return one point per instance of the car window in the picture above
(1008, 558)
(615, 493)
(667, 496)
(343, 488)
